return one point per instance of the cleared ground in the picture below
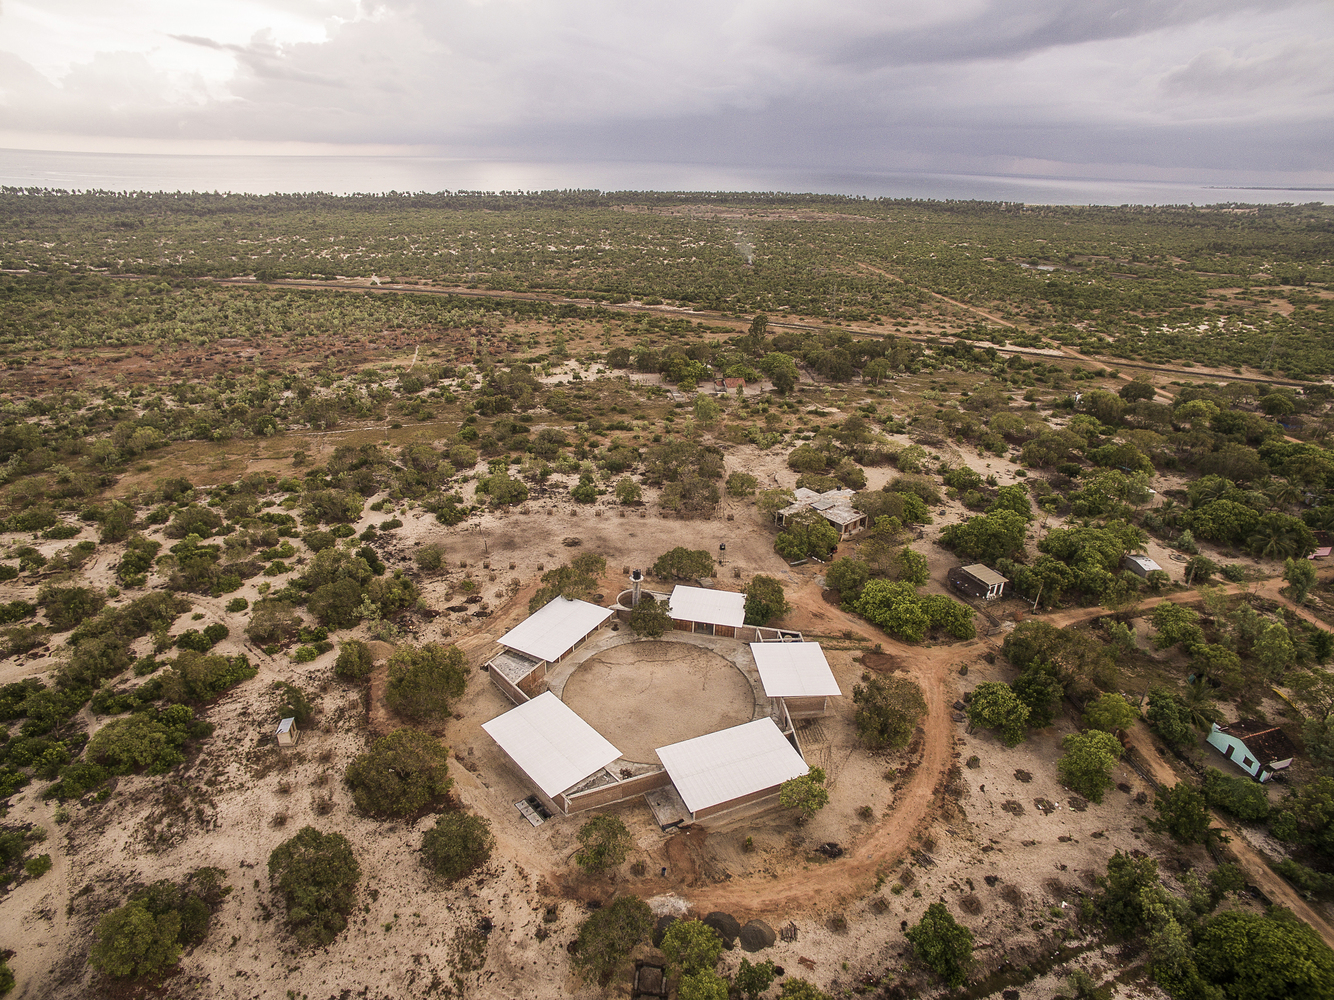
(644, 695)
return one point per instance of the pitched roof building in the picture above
(1258, 748)
(833, 505)
(721, 771)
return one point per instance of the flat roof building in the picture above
(721, 771)
(798, 675)
(1140, 564)
(979, 581)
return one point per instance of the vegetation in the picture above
(683, 564)
(806, 794)
(316, 874)
(888, 711)
(1086, 765)
(765, 600)
(425, 680)
(994, 705)
(148, 933)
(458, 845)
(692, 947)
(942, 944)
(608, 935)
(604, 843)
(400, 774)
(650, 618)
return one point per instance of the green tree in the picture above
(1300, 576)
(1129, 886)
(995, 706)
(1040, 688)
(1272, 956)
(1169, 719)
(1110, 713)
(807, 793)
(782, 371)
(1274, 650)
(692, 946)
(1182, 814)
(573, 581)
(424, 680)
(355, 661)
(703, 985)
(609, 934)
(797, 988)
(752, 980)
(987, 538)
(1242, 797)
(1176, 626)
(1087, 763)
(804, 534)
(943, 945)
(628, 491)
(707, 411)
(650, 618)
(888, 711)
(895, 607)
(316, 874)
(848, 576)
(131, 941)
(765, 600)
(400, 774)
(741, 484)
(683, 564)
(604, 842)
(457, 845)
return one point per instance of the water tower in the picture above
(636, 578)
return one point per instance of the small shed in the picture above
(1321, 553)
(1258, 748)
(542, 639)
(979, 581)
(553, 748)
(798, 675)
(721, 771)
(1140, 564)
(709, 612)
(287, 734)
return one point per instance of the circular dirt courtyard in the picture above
(645, 695)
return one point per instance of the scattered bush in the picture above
(316, 874)
(355, 661)
(424, 680)
(609, 935)
(400, 774)
(457, 845)
(604, 843)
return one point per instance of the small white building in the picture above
(797, 675)
(540, 641)
(709, 612)
(1258, 748)
(979, 581)
(287, 734)
(1140, 564)
(722, 771)
(833, 505)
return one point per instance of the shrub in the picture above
(650, 618)
(423, 681)
(290, 702)
(942, 944)
(198, 677)
(355, 661)
(806, 794)
(683, 564)
(1243, 798)
(430, 557)
(765, 600)
(336, 604)
(38, 866)
(316, 874)
(400, 774)
(457, 845)
(608, 936)
(1111, 712)
(692, 946)
(272, 621)
(741, 484)
(237, 604)
(604, 843)
(996, 706)
(66, 607)
(888, 711)
(131, 941)
(149, 741)
(1087, 763)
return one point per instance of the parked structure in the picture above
(708, 612)
(1140, 564)
(833, 505)
(287, 735)
(731, 768)
(1258, 748)
(797, 675)
(542, 640)
(979, 581)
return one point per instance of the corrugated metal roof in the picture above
(717, 607)
(730, 763)
(1143, 562)
(553, 746)
(794, 670)
(984, 575)
(555, 628)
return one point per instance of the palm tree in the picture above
(1273, 541)
(1283, 494)
(1198, 701)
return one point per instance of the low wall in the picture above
(511, 691)
(605, 795)
(738, 803)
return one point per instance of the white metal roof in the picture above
(717, 607)
(794, 670)
(555, 628)
(553, 746)
(730, 763)
(286, 725)
(984, 574)
(1144, 562)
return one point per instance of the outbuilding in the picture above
(1258, 748)
(835, 506)
(554, 749)
(735, 767)
(1140, 564)
(979, 581)
(797, 675)
(541, 640)
(708, 612)
(287, 734)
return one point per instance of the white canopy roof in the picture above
(794, 670)
(553, 746)
(730, 763)
(555, 628)
(716, 607)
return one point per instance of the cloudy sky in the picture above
(1152, 88)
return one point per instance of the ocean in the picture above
(368, 175)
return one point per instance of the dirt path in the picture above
(943, 298)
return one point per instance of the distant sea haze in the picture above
(371, 175)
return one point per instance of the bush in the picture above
(1110, 713)
(355, 661)
(291, 703)
(608, 936)
(272, 622)
(198, 677)
(942, 944)
(316, 874)
(1087, 763)
(430, 557)
(1242, 797)
(149, 741)
(1182, 815)
(38, 866)
(457, 845)
(400, 774)
(650, 618)
(888, 711)
(604, 843)
(237, 604)
(765, 600)
(423, 681)
(692, 946)
(848, 576)
(131, 941)
(683, 564)
(66, 607)
(741, 484)
(337, 604)
(806, 794)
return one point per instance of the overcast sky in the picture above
(1137, 88)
